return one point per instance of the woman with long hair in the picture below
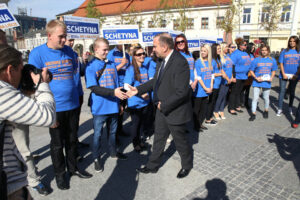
(289, 61)
(203, 75)
(217, 76)
(181, 46)
(241, 64)
(246, 89)
(135, 75)
(226, 81)
(263, 70)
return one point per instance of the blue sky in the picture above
(44, 8)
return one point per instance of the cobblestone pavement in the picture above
(236, 159)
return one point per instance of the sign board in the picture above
(219, 40)
(174, 33)
(7, 20)
(194, 44)
(82, 27)
(149, 33)
(121, 34)
(207, 41)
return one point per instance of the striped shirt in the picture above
(19, 109)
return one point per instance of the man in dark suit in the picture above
(171, 97)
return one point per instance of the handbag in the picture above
(3, 178)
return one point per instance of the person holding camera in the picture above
(61, 62)
(18, 109)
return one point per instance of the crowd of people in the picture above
(162, 92)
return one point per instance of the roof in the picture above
(116, 7)
(69, 12)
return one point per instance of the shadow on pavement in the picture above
(288, 149)
(216, 190)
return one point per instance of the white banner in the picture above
(7, 19)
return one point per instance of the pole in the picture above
(124, 53)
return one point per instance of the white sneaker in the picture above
(291, 110)
(279, 112)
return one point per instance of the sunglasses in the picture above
(178, 42)
(140, 54)
(233, 47)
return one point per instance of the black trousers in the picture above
(211, 103)
(139, 123)
(235, 95)
(200, 109)
(245, 95)
(180, 137)
(64, 136)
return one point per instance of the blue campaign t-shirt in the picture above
(77, 77)
(151, 69)
(136, 101)
(216, 70)
(227, 68)
(62, 64)
(116, 56)
(290, 60)
(102, 105)
(147, 61)
(206, 74)
(191, 62)
(263, 66)
(242, 62)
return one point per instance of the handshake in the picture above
(122, 93)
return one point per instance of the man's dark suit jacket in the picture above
(173, 91)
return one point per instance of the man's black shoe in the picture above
(146, 170)
(82, 174)
(98, 166)
(61, 182)
(183, 173)
(119, 156)
(265, 114)
(239, 111)
(41, 189)
(83, 145)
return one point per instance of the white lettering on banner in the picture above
(148, 38)
(4, 18)
(193, 44)
(115, 36)
(82, 29)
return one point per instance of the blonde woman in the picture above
(203, 73)
(226, 81)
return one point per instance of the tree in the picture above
(131, 17)
(239, 10)
(228, 24)
(183, 8)
(93, 12)
(162, 15)
(271, 15)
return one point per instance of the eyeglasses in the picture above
(233, 47)
(178, 42)
(140, 54)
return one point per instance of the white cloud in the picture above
(44, 8)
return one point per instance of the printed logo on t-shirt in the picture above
(108, 77)
(61, 69)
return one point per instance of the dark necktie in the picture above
(160, 74)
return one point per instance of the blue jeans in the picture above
(221, 100)
(266, 94)
(99, 120)
(293, 84)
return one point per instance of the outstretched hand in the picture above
(121, 95)
(132, 91)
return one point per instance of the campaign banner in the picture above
(207, 41)
(7, 20)
(219, 40)
(149, 33)
(121, 34)
(82, 27)
(174, 33)
(193, 44)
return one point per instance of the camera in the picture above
(27, 83)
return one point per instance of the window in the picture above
(247, 15)
(150, 24)
(176, 24)
(204, 23)
(286, 14)
(265, 14)
(190, 24)
(163, 23)
(219, 21)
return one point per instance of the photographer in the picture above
(19, 109)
